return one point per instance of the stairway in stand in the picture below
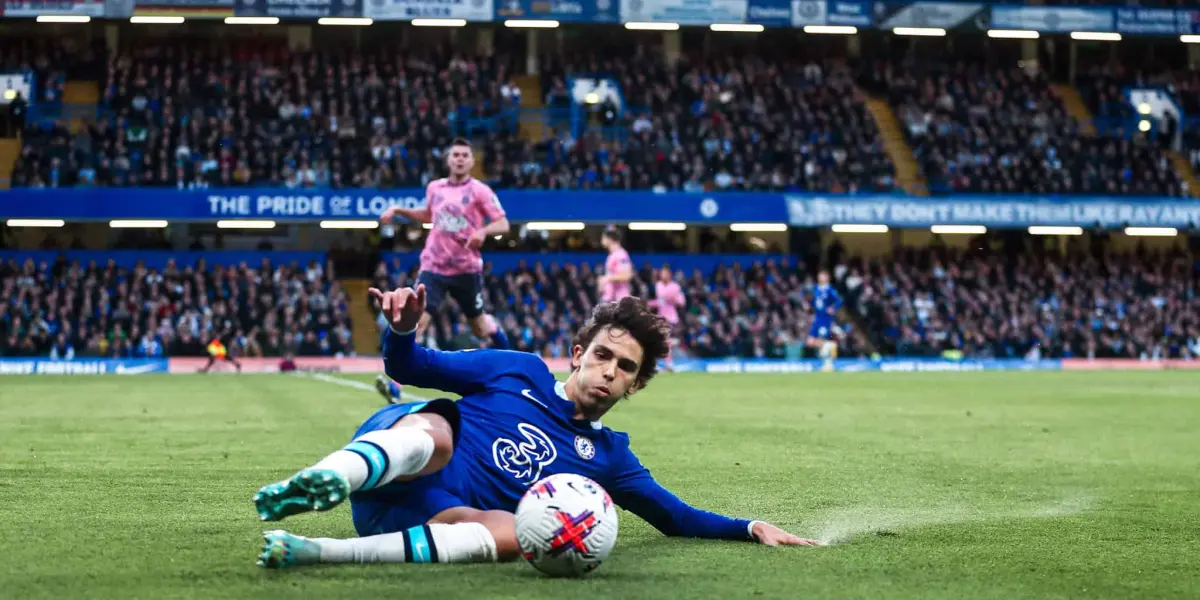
(532, 126)
(80, 93)
(1075, 106)
(908, 173)
(362, 318)
(1183, 167)
(10, 149)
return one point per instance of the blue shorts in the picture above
(403, 504)
(821, 330)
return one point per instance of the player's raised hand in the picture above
(770, 535)
(403, 307)
(389, 215)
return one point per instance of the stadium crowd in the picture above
(189, 116)
(1143, 305)
(981, 130)
(66, 310)
(761, 310)
(733, 123)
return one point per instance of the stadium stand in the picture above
(67, 309)
(189, 115)
(734, 123)
(1004, 130)
(1141, 305)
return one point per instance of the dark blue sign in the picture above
(298, 9)
(1148, 21)
(772, 13)
(100, 204)
(567, 11)
(992, 211)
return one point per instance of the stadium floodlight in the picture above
(1190, 39)
(757, 227)
(251, 20)
(531, 23)
(156, 20)
(554, 226)
(64, 19)
(644, 26)
(439, 22)
(245, 224)
(1055, 230)
(831, 29)
(1096, 36)
(1013, 34)
(1145, 108)
(656, 226)
(349, 224)
(958, 229)
(859, 228)
(36, 223)
(920, 31)
(137, 223)
(426, 225)
(1152, 231)
(1144, 126)
(346, 21)
(737, 27)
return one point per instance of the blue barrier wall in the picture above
(499, 261)
(157, 259)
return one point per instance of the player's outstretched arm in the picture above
(408, 363)
(636, 490)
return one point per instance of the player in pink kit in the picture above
(464, 212)
(668, 299)
(668, 296)
(618, 269)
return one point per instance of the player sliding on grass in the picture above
(438, 481)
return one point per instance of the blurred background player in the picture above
(464, 213)
(618, 270)
(668, 299)
(826, 303)
(222, 348)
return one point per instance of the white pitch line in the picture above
(358, 385)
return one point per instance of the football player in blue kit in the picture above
(439, 481)
(826, 303)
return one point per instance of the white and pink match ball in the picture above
(566, 525)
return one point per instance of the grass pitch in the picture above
(1029, 485)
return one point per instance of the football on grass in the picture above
(566, 525)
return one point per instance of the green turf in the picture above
(941, 486)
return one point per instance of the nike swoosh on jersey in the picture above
(529, 394)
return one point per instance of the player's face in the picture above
(823, 278)
(606, 371)
(664, 274)
(460, 160)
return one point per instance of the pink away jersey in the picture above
(670, 300)
(457, 211)
(618, 262)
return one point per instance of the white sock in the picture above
(376, 458)
(436, 543)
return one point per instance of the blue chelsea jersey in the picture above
(518, 427)
(825, 297)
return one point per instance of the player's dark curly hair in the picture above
(633, 315)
